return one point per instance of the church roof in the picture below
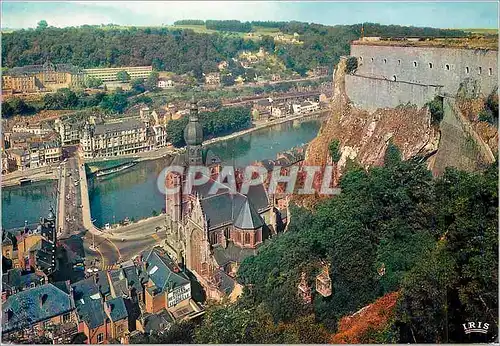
(248, 217)
(231, 253)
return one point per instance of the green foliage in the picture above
(151, 83)
(16, 106)
(189, 22)
(42, 24)
(227, 80)
(490, 111)
(245, 323)
(154, 213)
(436, 109)
(334, 149)
(458, 280)
(182, 51)
(138, 85)
(228, 25)
(93, 82)
(392, 155)
(123, 76)
(352, 64)
(179, 333)
(115, 102)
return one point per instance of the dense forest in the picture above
(435, 238)
(183, 50)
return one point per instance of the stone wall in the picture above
(446, 67)
(372, 93)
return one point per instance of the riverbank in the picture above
(39, 174)
(35, 174)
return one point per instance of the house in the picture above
(117, 314)
(36, 248)
(222, 65)
(212, 78)
(92, 319)
(305, 107)
(36, 129)
(43, 311)
(165, 83)
(167, 287)
(15, 281)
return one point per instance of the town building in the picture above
(36, 129)
(109, 74)
(36, 248)
(212, 78)
(44, 312)
(167, 287)
(111, 139)
(305, 107)
(211, 233)
(46, 77)
(15, 280)
(99, 320)
(70, 131)
(165, 83)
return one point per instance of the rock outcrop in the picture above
(364, 136)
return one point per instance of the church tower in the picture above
(193, 135)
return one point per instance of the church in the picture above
(211, 234)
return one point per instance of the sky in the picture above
(445, 14)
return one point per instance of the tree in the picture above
(93, 82)
(352, 64)
(436, 109)
(138, 85)
(334, 149)
(42, 24)
(227, 80)
(123, 76)
(152, 81)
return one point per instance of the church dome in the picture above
(193, 133)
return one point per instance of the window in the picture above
(385, 61)
(447, 67)
(430, 65)
(399, 61)
(360, 58)
(100, 338)
(414, 64)
(467, 69)
(479, 70)
(490, 71)
(371, 59)
(66, 318)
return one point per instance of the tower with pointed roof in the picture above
(193, 135)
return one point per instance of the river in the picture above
(27, 203)
(134, 193)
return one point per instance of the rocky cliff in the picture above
(461, 140)
(364, 136)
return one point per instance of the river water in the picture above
(27, 203)
(134, 193)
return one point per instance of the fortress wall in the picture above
(434, 66)
(372, 93)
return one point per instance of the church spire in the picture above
(193, 135)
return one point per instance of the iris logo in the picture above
(476, 327)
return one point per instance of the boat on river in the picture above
(116, 169)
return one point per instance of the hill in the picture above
(196, 48)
